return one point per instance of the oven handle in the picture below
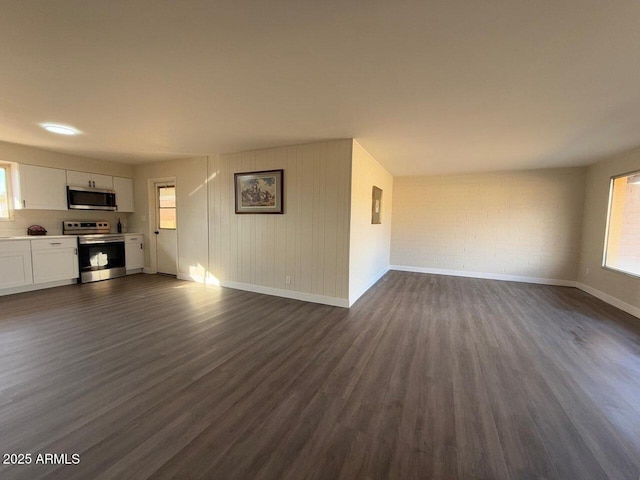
(101, 242)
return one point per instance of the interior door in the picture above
(166, 232)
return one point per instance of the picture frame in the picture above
(259, 192)
(376, 205)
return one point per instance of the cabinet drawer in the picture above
(134, 238)
(15, 246)
(52, 243)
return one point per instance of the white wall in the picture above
(50, 219)
(618, 288)
(369, 244)
(512, 225)
(192, 221)
(309, 243)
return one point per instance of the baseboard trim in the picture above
(277, 292)
(209, 280)
(371, 283)
(148, 271)
(188, 278)
(306, 297)
(605, 297)
(486, 276)
(610, 299)
(39, 286)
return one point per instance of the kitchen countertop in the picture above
(35, 237)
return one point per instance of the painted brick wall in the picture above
(513, 223)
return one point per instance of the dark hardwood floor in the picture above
(425, 377)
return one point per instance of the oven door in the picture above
(101, 260)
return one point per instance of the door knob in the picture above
(156, 232)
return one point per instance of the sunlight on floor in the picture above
(200, 274)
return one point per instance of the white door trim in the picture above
(151, 201)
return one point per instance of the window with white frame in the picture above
(622, 248)
(5, 193)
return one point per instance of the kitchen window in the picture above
(622, 247)
(5, 192)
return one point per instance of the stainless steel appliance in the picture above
(100, 253)
(82, 198)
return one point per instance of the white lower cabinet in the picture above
(134, 251)
(54, 259)
(15, 264)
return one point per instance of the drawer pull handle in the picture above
(55, 243)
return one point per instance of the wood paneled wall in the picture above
(309, 243)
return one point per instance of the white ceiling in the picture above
(425, 86)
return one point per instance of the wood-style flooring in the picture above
(425, 377)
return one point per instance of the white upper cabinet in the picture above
(124, 193)
(78, 179)
(93, 180)
(102, 181)
(43, 188)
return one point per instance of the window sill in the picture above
(623, 272)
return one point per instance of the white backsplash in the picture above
(52, 220)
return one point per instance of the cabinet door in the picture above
(102, 181)
(43, 188)
(15, 264)
(54, 259)
(55, 264)
(78, 179)
(134, 253)
(124, 193)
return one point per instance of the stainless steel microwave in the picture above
(81, 198)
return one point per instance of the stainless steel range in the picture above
(100, 253)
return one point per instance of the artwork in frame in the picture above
(376, 205)
(259, 192)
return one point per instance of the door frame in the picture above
(152, 216)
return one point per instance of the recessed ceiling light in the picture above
(60, 129)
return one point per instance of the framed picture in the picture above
(376, 205)
(259, 192)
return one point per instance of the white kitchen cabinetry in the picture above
(15, 263)
(42, 188)
(134, 252)
(124, 193)
(92, 180)
(54, 259)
